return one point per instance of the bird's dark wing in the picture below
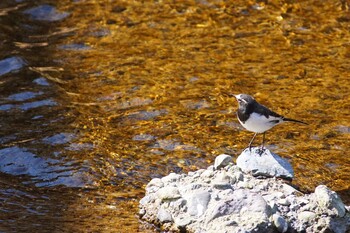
(261, 109)
(267, 112)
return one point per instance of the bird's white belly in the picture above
(259, 123)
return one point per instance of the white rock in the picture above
(192, 187)
(164, 216)
(154, 185)
(168, 193)
(328, 199)
(251, 208)
(178, 205)
(284, 202)
(239, 176)
(280, 223)
(222, 181)
(172, 177)
(146, 200)
(267, 164)
(142, 212)
(197, 203)
(182, 222)
(306, 216)
(207, 174)
(289, 190)
(222, 160)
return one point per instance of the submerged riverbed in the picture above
(99, 97)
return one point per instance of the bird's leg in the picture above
(251, 141)
(262, 149)
(263, 141)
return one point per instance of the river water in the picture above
(99, 97)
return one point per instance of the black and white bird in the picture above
(256, 117)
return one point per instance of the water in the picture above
(97, 98)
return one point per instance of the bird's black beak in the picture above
(232, 95)
(236, 96)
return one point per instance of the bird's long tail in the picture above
(292, 120)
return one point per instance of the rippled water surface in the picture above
(99, 97)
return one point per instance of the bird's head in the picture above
(244, 100)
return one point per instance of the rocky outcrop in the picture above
(223, 198)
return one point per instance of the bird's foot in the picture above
(261, 150)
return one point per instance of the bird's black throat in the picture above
(243, 112)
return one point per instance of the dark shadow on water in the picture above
(345, 196)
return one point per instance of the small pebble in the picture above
(284, 202)
(306, 216)
(280, 223)
(222, 160)
(168, 193)
(164, 216)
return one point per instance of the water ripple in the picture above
(41, 81)
(11, 64)
(36, 104)
(60, 138)
(24, 96)
(44, 171)
(76, 47)
(46, 13)
(29, 105)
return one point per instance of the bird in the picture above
(257, 118)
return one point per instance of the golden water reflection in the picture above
(163, 73)
(153, 92)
